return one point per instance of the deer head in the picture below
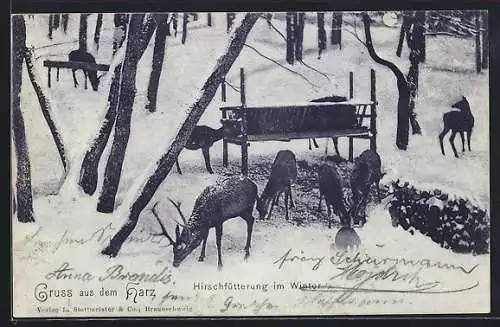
(185, 241)
(462, 105)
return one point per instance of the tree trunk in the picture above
(404, 28)
(157, 65)
(418, 35)
(56, 20)
(486, 41)
(137, 43)
(336, 36)
(402, 132)
(417, 55)
(89, 170)
(290, 38)
(82, 39)
(164, 165)
(230, 18)
(23, 181)
(97, 33)
(121, 22)
(209, 19)
(184, 27)
(65, 18)
(299, 35)
(46, 109)
(174, 23)
(478, 42)
(51, 25)
(321, 34)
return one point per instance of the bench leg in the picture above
(48, 77)
(225, 156)
(244, 158)
(57, 75)
(85, 75)
(351, 150)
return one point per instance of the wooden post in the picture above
(351, 95)
(351, 85)
(478, 43)
(223, 90)
(486, 45)
(48, 76)
(244, 142)
(225, 155)
(373, 114)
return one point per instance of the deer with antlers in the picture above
(231, 198)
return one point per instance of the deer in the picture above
(332, 98)
(83, 56)
(330, 187)
(231, 198)
(458, 122)
(203, 137)
(366, 172)
(283, 175)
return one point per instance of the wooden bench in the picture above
(289, 122)
(72, 65)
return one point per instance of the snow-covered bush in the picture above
(451, 221)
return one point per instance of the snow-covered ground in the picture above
(63, 211)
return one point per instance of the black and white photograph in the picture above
(242, 164)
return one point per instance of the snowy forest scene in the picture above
(250, 164)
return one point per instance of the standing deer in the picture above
(330, 187)
(283, 175)
(83, 56)
(333, 98)
(366, 172)
(233, 197)
(458, 121)
(203, 137)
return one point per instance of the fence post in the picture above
(244, 138)
(225, 156)
(373, 113)
(478, 43)
(351, 95)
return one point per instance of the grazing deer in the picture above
(283, 175)
(83, 56)
(203, 137)
(458, 121)
(330, 187)
(366, 172)
(233, 197)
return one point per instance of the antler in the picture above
(163, 229)
(177, 205)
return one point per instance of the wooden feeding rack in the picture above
(289, 122)
(72, 65)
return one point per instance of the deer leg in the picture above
(468, 138)
(286, 205)
(85, 75)
(310, 147)
(315, 143)
(319, 204)
(250, 220)
(218, 239)
(441, 137)
(452, 141)
(292, 204)
(75, 82)
(178, 167)
(203, 247)
(463, 140)
(329, 214)
(206, 155)
(377, 186)
(336, 145)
